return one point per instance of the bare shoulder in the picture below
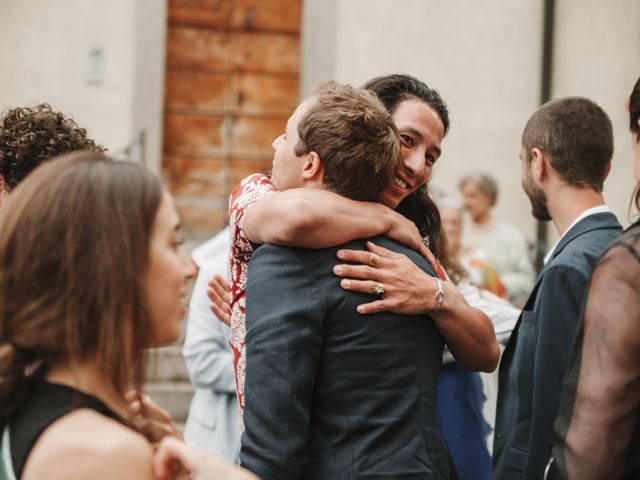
(85, 444)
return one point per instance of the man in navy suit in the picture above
(566, 153)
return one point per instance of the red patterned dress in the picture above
(248, 191)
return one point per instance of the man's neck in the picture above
(567, 203)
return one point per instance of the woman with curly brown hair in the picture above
(30, 136)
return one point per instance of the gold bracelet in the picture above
(439, 295)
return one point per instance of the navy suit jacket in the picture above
(332, 394)
(535, 359)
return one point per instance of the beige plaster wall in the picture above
(484, 57)
(598, 56)
(46, 59)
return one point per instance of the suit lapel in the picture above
(597, 221)
(604, 220)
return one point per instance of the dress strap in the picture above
(6, 465)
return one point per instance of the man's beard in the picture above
(538, 200)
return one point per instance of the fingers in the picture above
(383, 252)
(363, 272)
(218, 283)
(219, 307)
(372, 307)
(363, 256)
(171, 457)
(132, 396)
(154, 411)
(359, 285)
(150, 418)
(142, 404)
(218, 293)
(429, 257)
(354, 256)
(220, 288)
(223, 315)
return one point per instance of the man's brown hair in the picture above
(578, 137)
(74, 246)
(354, 136)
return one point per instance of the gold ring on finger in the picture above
(379, 290)
(374, 260)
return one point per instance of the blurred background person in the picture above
(597, 432)
(213, 423)
(467, 400)
(479, 269)
(504, 245)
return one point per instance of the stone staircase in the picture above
(168, 383)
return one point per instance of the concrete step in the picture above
(167, 364)
(173, 397)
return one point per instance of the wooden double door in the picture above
(232, 75)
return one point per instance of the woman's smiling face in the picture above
(421, 132)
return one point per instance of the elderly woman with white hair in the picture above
(504, 244)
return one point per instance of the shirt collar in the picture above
(583, 215)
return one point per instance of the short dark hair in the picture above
(578, 137)
(30, 136)
(354, 136)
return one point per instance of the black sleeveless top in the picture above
(47, 403)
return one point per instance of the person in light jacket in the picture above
(213, 423)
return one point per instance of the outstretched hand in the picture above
(218, 293)
(407, 289)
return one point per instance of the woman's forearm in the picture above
(467, 331)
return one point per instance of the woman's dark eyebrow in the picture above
(412, 131)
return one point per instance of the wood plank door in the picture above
(231, 82)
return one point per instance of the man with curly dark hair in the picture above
(30, 136)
